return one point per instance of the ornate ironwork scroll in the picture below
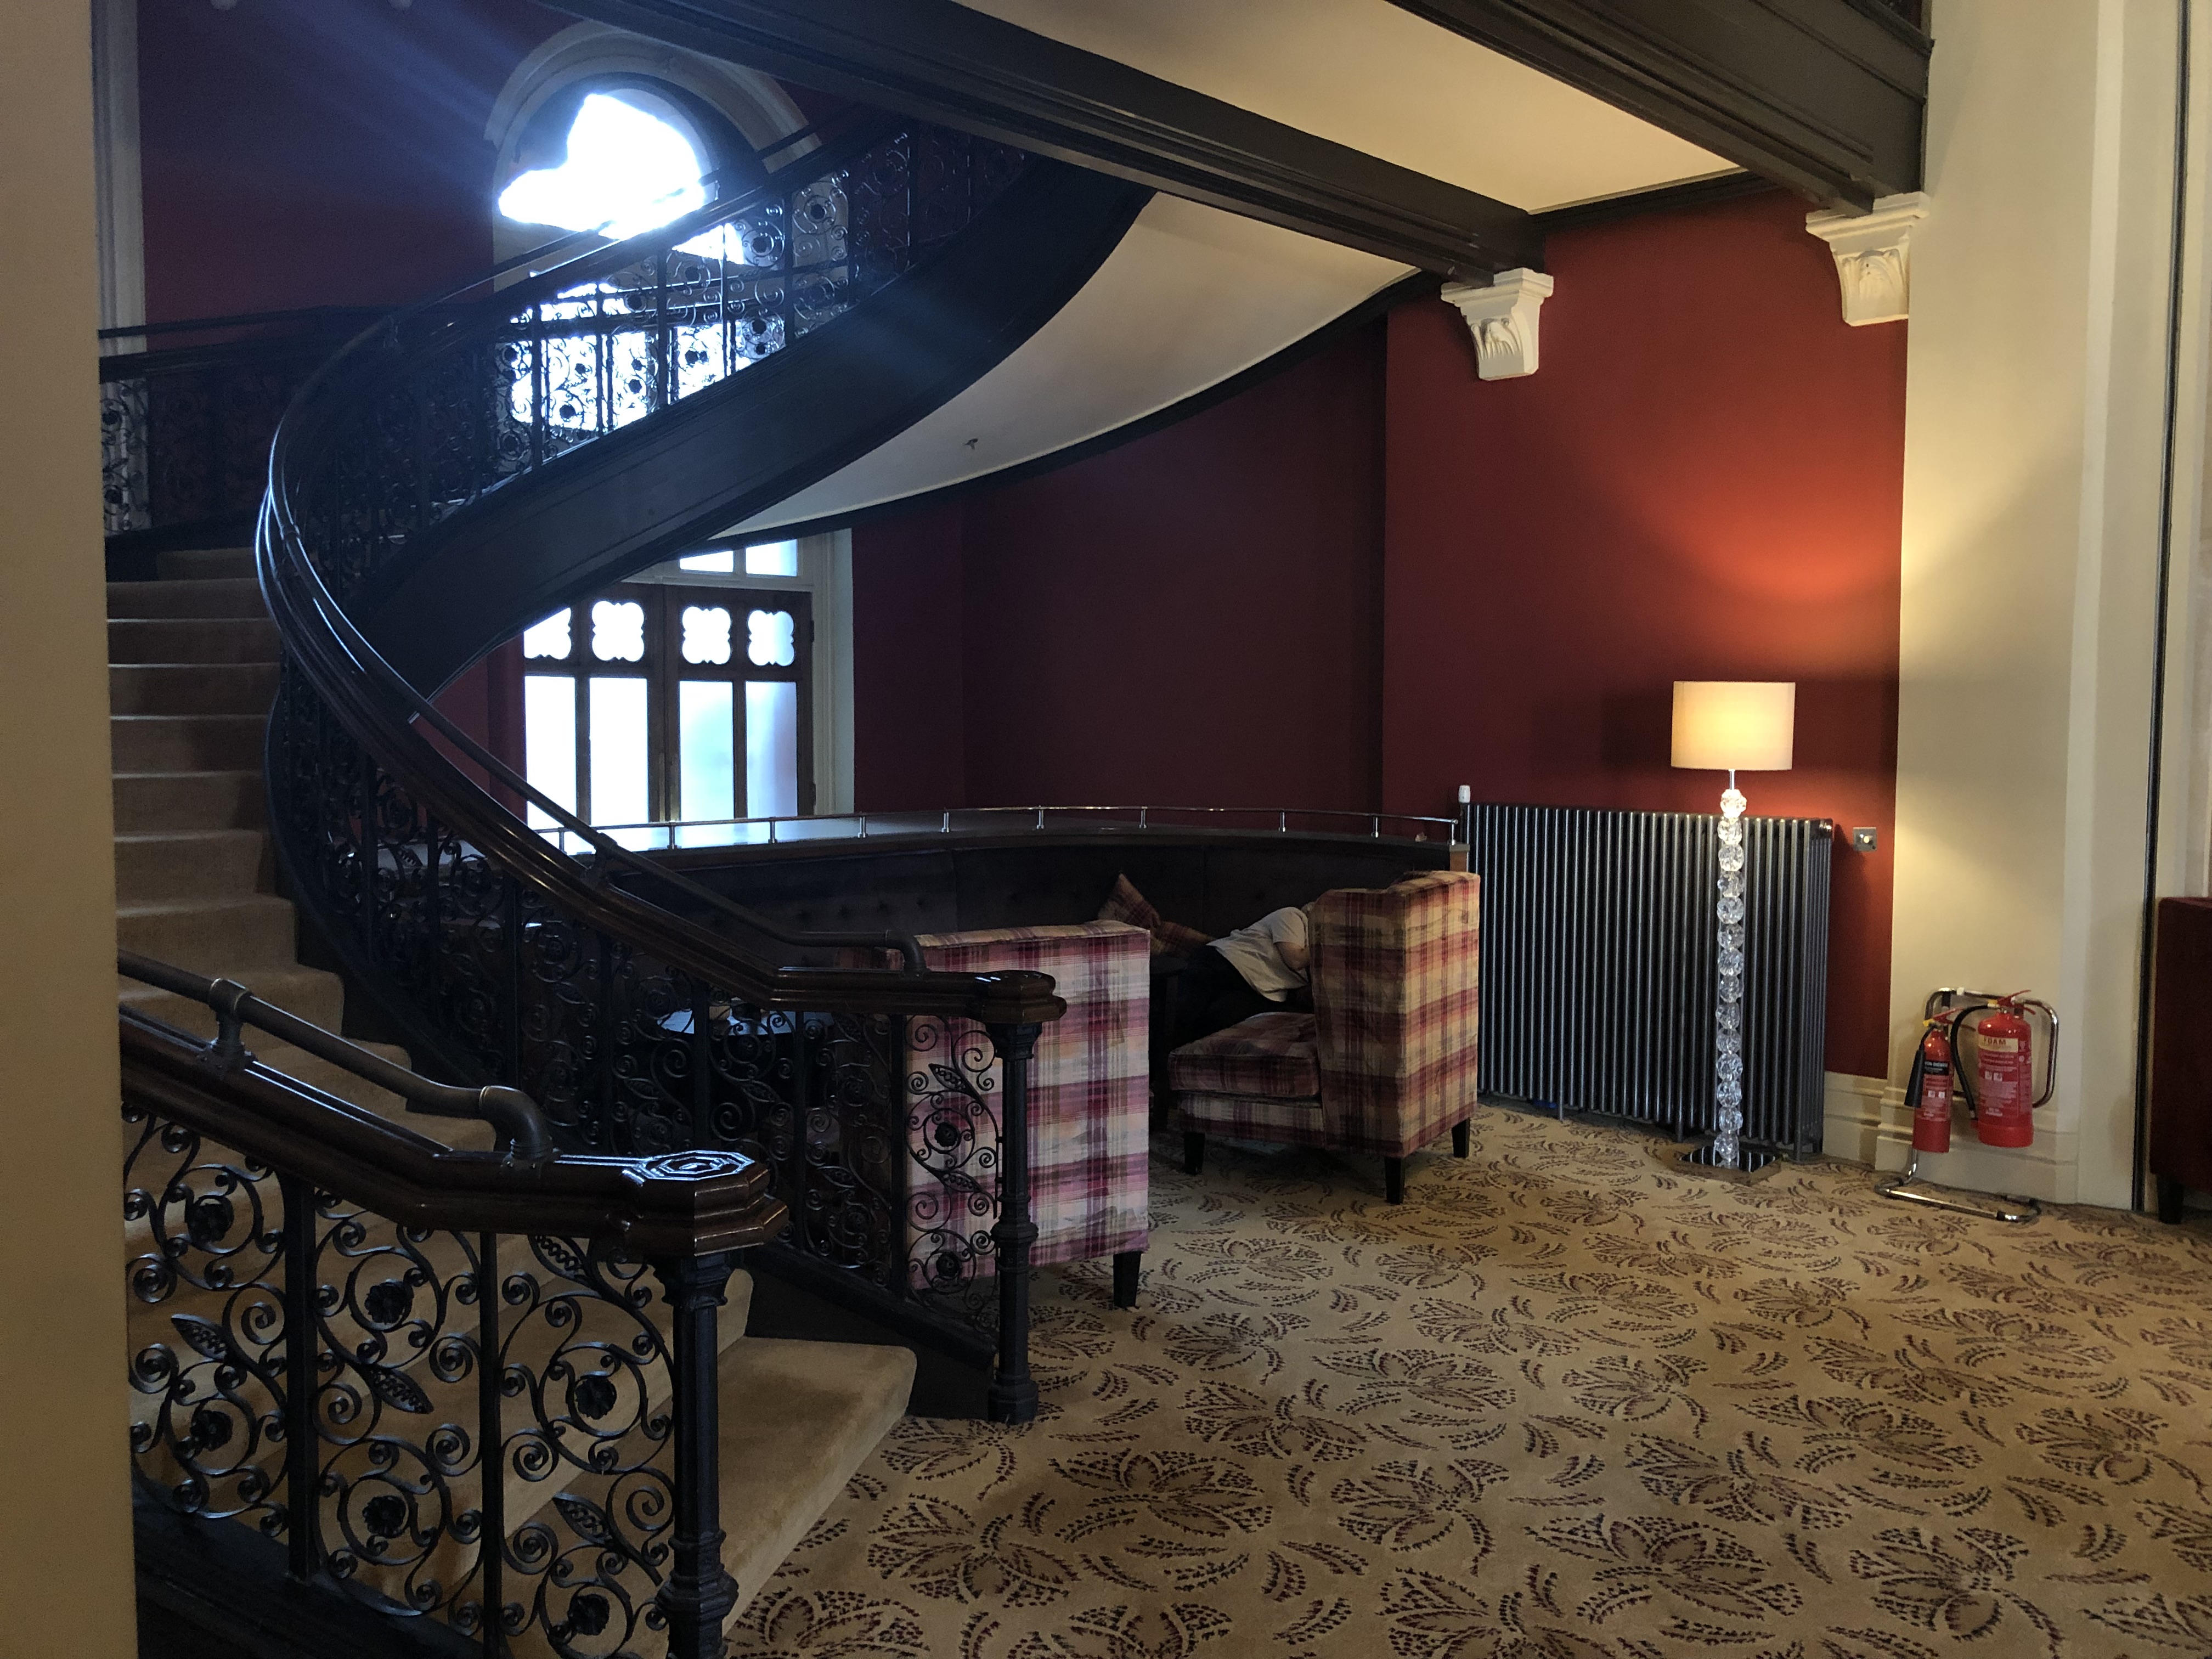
(491, 1423)
(204, 1228)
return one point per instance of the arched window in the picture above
(628, 163)
(599, 121)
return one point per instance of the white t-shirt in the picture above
(1251, 951)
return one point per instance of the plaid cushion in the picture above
(1089, 1102)
(1126, 903)
(1268, 1055)
(1253, 1117)
(1393, 983)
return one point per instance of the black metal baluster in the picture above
(664, 334)
(491, 1455)
(1013, 1393)
(511, 980)
(303, 1532)
(698, 1593)
(369, 772)
(541, 387)
(703, 1076)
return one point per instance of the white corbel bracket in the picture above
(1502, 317)
(1874, 256)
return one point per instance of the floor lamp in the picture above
(1731, 726)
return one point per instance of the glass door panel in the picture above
(771, 749)
(622, 756)
(549, 740)
(706, 753)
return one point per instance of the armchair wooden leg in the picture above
(2169, 1199)
(1127, 1265)
(1194, 1152)
(1462, 1140)
(1393, 1179)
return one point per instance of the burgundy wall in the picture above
(1194, 617)
(320, 152)
(1702, 481)
(1376, 576)
(910, 663)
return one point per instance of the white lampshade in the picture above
(1734, 726)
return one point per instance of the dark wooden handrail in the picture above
(514, 1116)
(691, 1203)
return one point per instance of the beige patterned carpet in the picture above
(1562, 1404)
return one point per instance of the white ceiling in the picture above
(1191, 296)
(1370, 74)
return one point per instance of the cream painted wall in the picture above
(2033, 483)
(65, 1573)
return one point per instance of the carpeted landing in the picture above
(1563, 1403)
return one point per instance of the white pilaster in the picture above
(2035, 435)
(1503, 316)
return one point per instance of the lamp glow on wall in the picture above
(1731, 726)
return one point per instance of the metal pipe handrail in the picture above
(1035, 818)
(513, 1115)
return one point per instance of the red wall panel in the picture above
(1193, 618)
(1702, 481)
(909, 663)
(320, 152)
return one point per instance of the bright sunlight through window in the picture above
(627, 172)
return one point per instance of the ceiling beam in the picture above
(939, 61)
(1825, 96)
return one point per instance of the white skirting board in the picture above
(1866, 1122)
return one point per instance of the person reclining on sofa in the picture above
(1256, 970)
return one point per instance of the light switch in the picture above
(1865, 840)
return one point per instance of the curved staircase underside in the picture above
(1191, 297)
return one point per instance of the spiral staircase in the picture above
(282, 773)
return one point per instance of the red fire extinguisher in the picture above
(2003, 1104)
(1929, 1090)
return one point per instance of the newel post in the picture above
(698, 1594)
(1013, 1394)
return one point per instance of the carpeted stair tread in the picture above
(192, 639)
(158, 864)
(146, 802)
(334, 1079)
(228, 935)
(220, 596)
(195, 563)
(312, 993)
(186, 743)
(192, 688)
(798, 1418)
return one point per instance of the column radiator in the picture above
(1598, 939)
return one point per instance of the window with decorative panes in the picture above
(672, 702)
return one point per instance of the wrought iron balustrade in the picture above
(645, 1015)
(475, 1389)
(187, 414)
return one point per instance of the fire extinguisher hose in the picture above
(1960, 1077)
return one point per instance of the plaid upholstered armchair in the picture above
(1384, 1063)
(1090, 1108)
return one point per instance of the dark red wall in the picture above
(1194, 617)
(910, 663)
(1701, 482)
(1376, 577)
(320, 152)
